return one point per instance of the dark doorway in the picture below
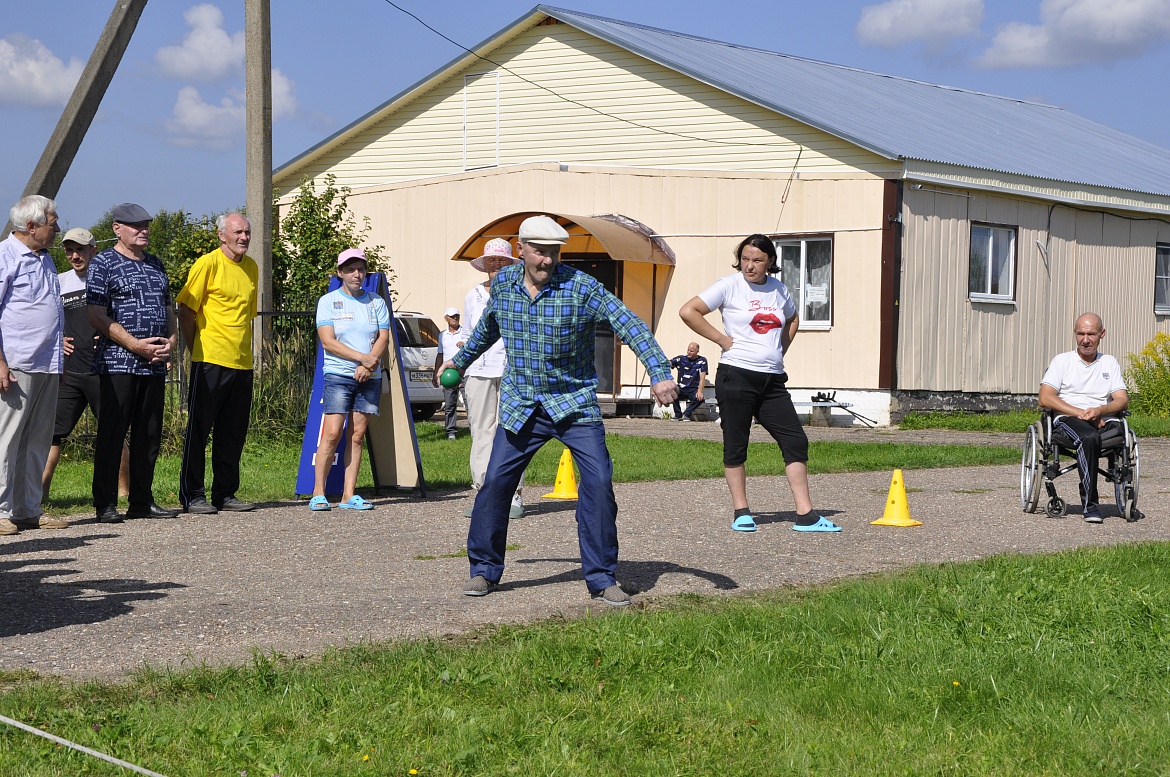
(606, 353)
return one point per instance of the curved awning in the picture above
(623, 238)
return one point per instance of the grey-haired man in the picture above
(31, 320)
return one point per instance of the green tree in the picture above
(316, 227)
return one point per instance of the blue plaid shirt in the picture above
(549, 341)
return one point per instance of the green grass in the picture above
(1014, 665)
(1017, 421)
(269, 469)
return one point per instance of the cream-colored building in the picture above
(939, 242)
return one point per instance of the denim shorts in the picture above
(343, 394)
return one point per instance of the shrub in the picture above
(1148, 377)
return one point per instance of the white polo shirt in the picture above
(1084, 385)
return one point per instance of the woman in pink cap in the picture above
(354, 327)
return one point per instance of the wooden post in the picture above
(258, 127)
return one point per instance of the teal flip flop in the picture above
(744, 523)
(822, 524)
(355, 502)
(319, 504)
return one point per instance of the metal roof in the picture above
(901, 118)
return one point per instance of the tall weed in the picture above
(1148, 377)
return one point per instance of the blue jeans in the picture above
(596, 506)
(342, 395)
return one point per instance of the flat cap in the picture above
(129, 213)
(543, 230)
(83, 237)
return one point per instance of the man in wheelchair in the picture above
(1085, 390)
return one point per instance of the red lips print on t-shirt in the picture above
(764, 323)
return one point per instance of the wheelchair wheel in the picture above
(1055, 507)
(1125, 486)
(1030, 469)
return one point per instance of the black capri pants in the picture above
(746, 394)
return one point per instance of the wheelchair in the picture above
(1041, 464)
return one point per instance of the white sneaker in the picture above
(517, 508)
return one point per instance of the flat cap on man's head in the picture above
(83, 237)
(542, 230)
(129, 213)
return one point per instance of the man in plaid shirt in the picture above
(546, 314)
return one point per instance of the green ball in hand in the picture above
(450, 378)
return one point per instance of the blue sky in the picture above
(170, 130)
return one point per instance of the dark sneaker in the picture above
(1093, 517)
(613, 595)
(200, 506)
(478, 586)
(233, 505)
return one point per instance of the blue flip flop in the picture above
(822, 524)
(744, 523)
(355, 502)
(319, 504)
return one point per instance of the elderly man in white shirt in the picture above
(482, 379)
(31, 360)
(1086, 390)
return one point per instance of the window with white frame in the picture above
(1162, 279)
(992, 264)
(806, 268)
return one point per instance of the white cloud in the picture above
(32, 75)
(284, 98)
(195, 122)
(1072, 32)
(932, 22)
(208, 52)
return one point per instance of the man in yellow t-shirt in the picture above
(216, 308)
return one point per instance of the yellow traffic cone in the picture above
(897, 508)
(566, 485)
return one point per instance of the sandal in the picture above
(319, 503)
(822, 524)
(356, 502)
(744, 523)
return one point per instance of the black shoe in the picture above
(108, 515)
(199, 506)
(151, 511)
(233, 505)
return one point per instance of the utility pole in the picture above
(258, 128)
(83, 104)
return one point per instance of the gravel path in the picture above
(100, 600)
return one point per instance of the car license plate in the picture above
(421, 376)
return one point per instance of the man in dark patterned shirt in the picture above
(129, 300)
(692, 375)
(546, 313)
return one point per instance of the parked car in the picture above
(418, 339)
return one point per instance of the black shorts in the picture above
(79, 391)
(747, 394)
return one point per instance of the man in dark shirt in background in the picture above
(692, 375)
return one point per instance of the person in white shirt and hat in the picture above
(482, 379)
(451, 340)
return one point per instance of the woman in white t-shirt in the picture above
(759, 323)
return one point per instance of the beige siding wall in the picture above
(703, 215)
(425, 135)
(1096, 261)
